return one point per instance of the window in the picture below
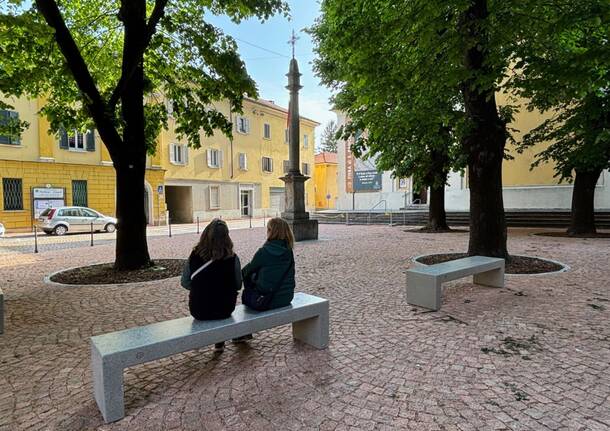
(12, 189)
(70, 212)
(214, 158)
(305, 141)
(286, 166)
(10, 119)
(287, 136)
(267, 131)
(305, 169)
(214, 197)
(79, 193)
(243, 161)
(86, 212)
(267, 164)
(178, 154)
(74, 140)
(243, 125)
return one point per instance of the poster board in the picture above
(47, 197)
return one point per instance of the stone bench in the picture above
(113, 352)
(424, 282)
(1, 312)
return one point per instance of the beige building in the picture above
(239, 177)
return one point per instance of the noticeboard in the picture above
(367, 181)
(47, 197)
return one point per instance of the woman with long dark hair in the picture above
(213, 275)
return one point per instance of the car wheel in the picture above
(110, 227)
(60, 230)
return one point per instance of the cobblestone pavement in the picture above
(532, 356)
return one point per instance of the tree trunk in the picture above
(131, 245)
(437, 217)
(484, 142)
(583, 203)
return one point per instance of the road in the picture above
(25, 242)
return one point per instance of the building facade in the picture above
(325, 180)
(239, 177)
(41, 169)
(362, 188)
(224, 178)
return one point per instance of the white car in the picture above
(2, 230)
(61, 220)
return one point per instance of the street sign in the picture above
(160, 189)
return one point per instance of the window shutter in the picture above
(186, 154)
(247, 125)
(172, 153)
(15, 140)
(63, 139)
(220, 158)
(90, 140)
(270, 164)
(4, 116)
(209, 157)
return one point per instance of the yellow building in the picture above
(224, 178)
(239, 177)
(325, 178)
(42, 169)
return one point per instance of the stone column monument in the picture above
(295, 214)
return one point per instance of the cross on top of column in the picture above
(293, 41)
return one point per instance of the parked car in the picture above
(61, 220)
(2, 230)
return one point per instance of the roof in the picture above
(326, 157)
(272, 105)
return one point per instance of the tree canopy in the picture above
(329, 138)
(112, 65)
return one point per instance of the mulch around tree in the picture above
(567, 235)
(428, 230)
(516, 264)
(105, 273)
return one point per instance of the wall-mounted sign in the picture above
(160, 189)
(367, 181)
(47, 193)
(47, 197)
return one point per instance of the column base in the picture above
(304, 229)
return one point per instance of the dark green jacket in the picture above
(269, 264)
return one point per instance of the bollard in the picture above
(250, 221)
(35, 239)
(264, 218)
(404, 218)
(197, 225)
(169, 228)
(391, 218)
(347, 219)
(91, 234)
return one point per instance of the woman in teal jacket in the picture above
(269, 278)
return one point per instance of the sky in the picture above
(265, 49)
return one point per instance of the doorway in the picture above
(246, 203)
(179, 201)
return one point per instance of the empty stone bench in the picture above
(1, 312)
(113, 352)
(424, 282)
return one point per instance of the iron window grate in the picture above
(12, 189)
(79, 193)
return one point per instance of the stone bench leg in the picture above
(493, 278)
(107, 387)
(423, 291)
(313, 331)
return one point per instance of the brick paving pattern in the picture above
(532, 356)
